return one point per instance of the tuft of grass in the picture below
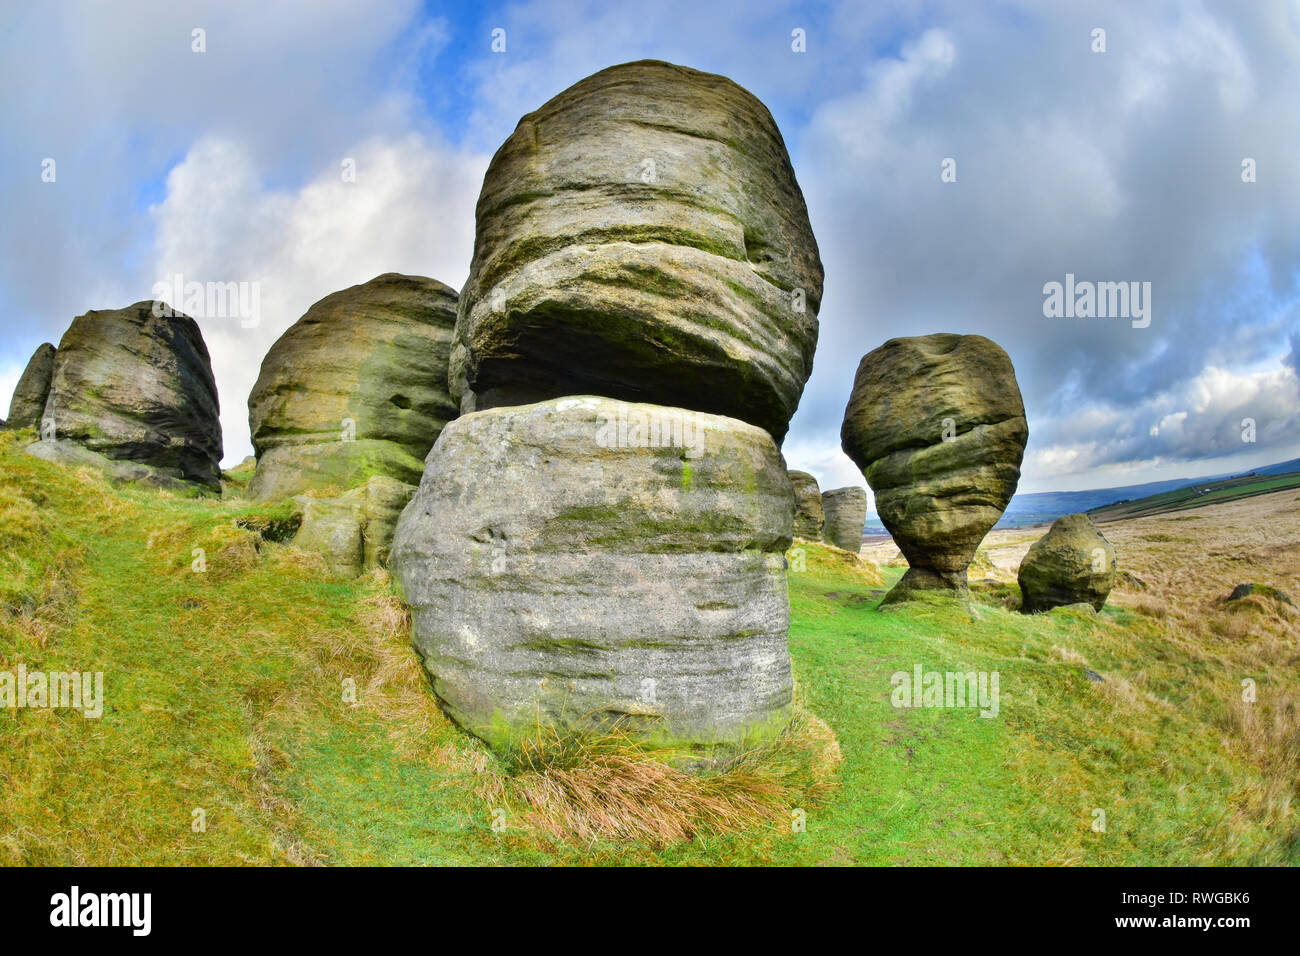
(593, 786)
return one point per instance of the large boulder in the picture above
(937, 425)
(28, 402)
(642, 236)
(1072, 564)
(356, 387)
(559, 574)
(809, 519)
(846, 515)
(132, 385)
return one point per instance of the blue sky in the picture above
(1123, 165)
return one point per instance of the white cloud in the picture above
(862, 124)
(825, 461)
(1206, 417)
(9, 376)
(411, 210)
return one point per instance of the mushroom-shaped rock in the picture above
(809, 519)
(560, 575)
(937, 425)
(1072, 564)
(846, 515)
(642, 236)
(357, 387)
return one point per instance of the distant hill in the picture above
(1046, 506)
(1281, 468)
(1199, 493)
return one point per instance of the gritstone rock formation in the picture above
(642, 236)
(133, 386)
(1071, 564)
(937, 425)
(353, 531)
(33, 389)
(356, 387)
(809, 519)
(561, 573)
(846, 514)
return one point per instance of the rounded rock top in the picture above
(642, 236)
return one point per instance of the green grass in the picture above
(225, 691)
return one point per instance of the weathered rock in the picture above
(131, 385)
(642, 236)
(937, 425)
(556, 576)
(353, 531)
(33, 389)
(809, 519)
(71, 455)
(846, 516)
(356, 387)
(1071, 564)
(1130, 581)
(1243, 591)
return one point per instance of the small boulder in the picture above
(809, 519)
(1130, 581)
(1072, 564)
(356, 387)
(33, 389)
(846, 516)
(136, 385)
(1243, 591)
(353, 531)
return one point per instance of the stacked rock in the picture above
(131, 392)
(846, 516)
(599, 538)
(642, 236)
(555, 574)
(937, 425)
(809, 518)
(348, 402)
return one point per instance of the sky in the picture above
(1171, 157)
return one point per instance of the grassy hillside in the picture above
(1197, 496)
(226, 691)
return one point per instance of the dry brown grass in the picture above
(588, 787)
(1187, 565)
(396, 684)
